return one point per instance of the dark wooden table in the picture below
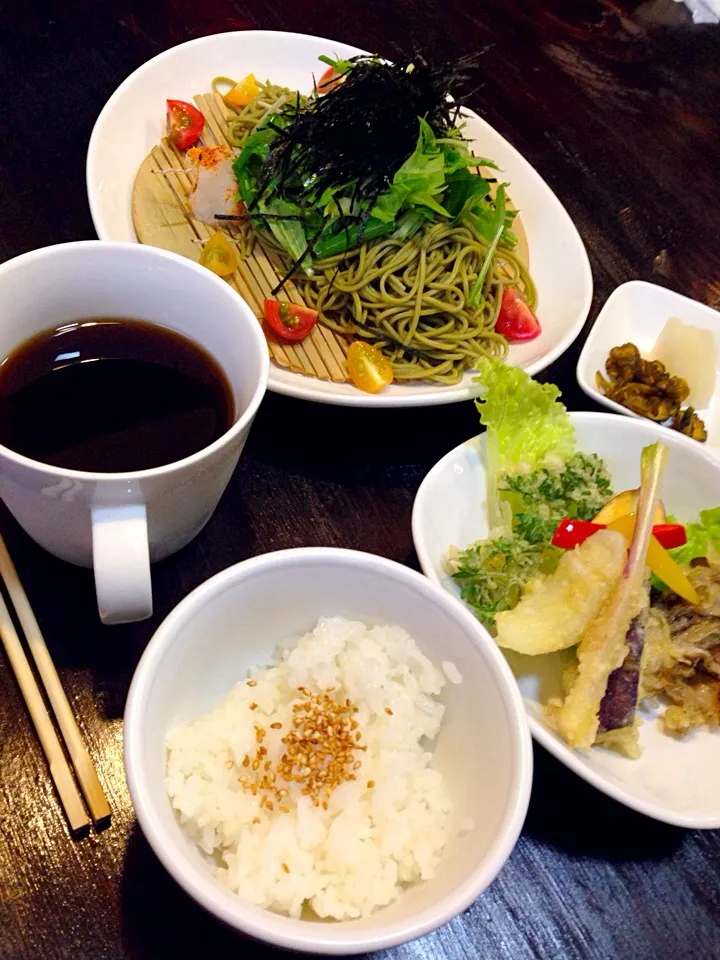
(616, 104)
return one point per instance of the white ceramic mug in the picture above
(119, 522)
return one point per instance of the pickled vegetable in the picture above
(691, 353)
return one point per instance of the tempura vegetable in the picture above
(555, 612)
(603, 647)
(618, 706)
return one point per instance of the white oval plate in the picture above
(133, 121)
(677, 781)
(637, 311)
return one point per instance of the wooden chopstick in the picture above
(84, 769)
(59, 768)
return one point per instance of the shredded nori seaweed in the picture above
(363, 130)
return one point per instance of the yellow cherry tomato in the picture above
(243, 92)
(659, 560)
(218, 255)
(369, 370)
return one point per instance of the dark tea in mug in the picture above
(111, 395)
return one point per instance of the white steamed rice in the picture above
(357, 855)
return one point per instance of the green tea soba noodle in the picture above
(409, 298)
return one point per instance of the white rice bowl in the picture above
(357, 855)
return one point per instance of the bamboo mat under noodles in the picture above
(161, 213)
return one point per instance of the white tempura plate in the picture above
(133, 121)
(675, 780)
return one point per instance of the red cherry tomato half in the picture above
(516, 321)
(184, 124)
(289, 321)
(329, 80)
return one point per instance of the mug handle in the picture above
(121, 562)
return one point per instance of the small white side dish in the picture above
(235, 621)
(636, 312)
(677, 781)
(135, 116)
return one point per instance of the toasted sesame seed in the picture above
(252, 683)
(285, 867)
(283, 809)
(257, 820)
(388, 711)
(371, 784)
(253, 706)
(229, 764)
(319, 749)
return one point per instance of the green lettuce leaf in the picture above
(464, 192)
(289, 233)
(418, 182)
(527, 428)
(458, 157)
(700, 537)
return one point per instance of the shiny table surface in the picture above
(616, 105)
